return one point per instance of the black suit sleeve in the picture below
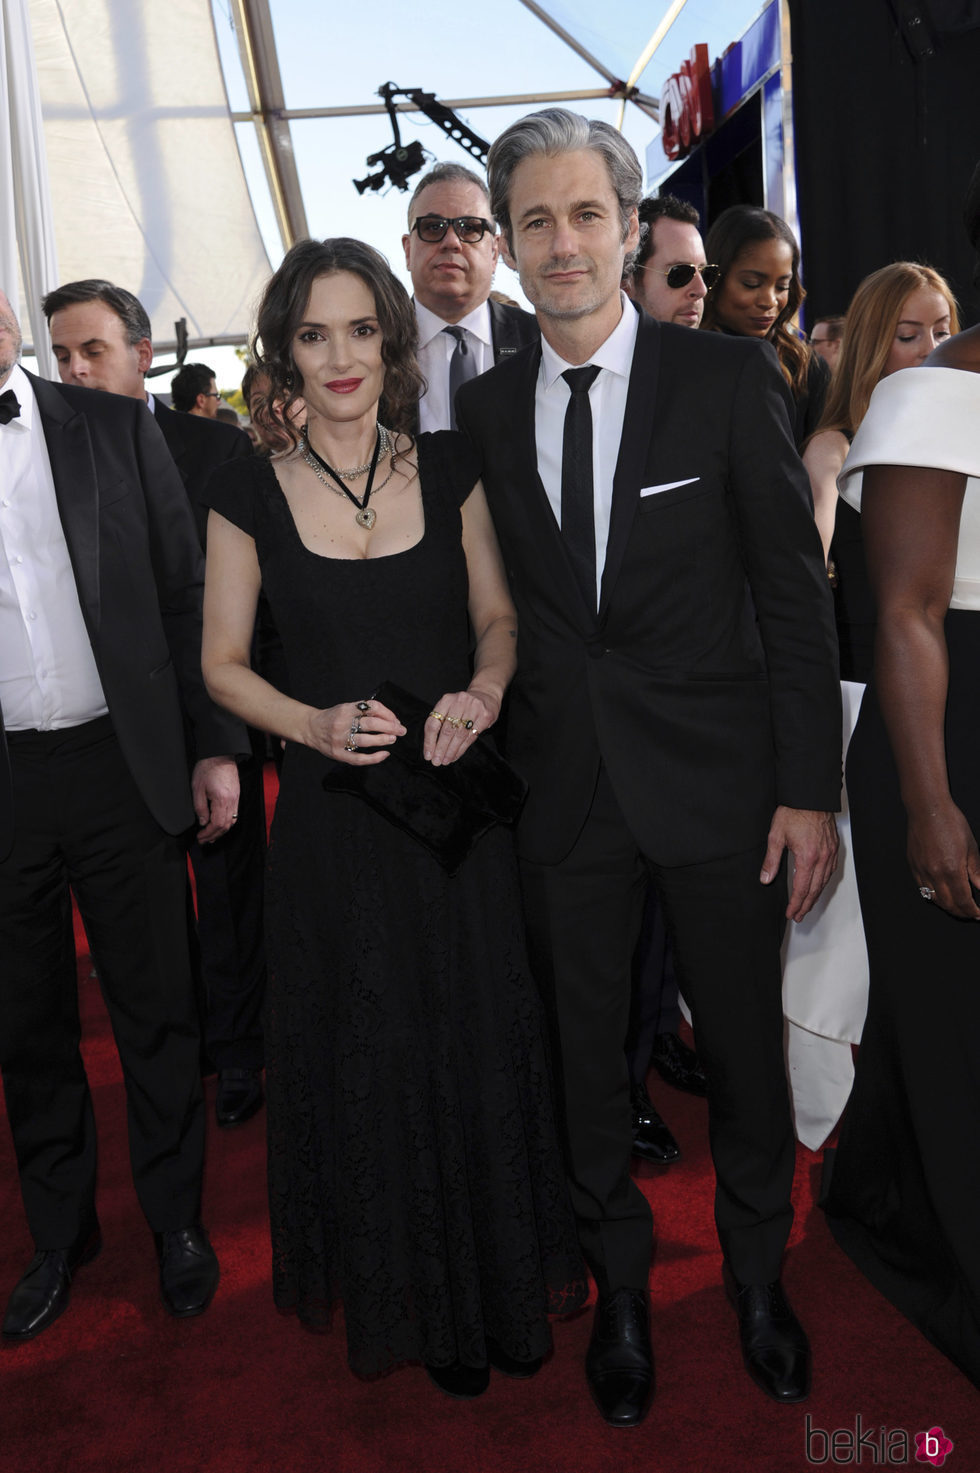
(786, 572)
(178, 567)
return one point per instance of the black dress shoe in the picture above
(651, 1137)
(678, 1064)
(44, 1291)
(518, 1370)
(619, 1361)
(463, 1382)
(188, 1270)
(774, 1344)
(239, 1096)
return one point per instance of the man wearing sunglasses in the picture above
(451, 254)
(670, 278)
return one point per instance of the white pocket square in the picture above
(668, 486)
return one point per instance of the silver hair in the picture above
(446, 174)
(554, 131)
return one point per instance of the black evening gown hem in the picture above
(904, 1193)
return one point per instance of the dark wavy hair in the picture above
(283, 307)
(745, 225)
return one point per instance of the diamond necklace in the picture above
(355, 470)
(365, 516)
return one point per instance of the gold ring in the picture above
(455, 722)
(437, 716)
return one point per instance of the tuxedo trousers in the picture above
(583, 917)
(655, 1004)
(83, 826)
(229, 875)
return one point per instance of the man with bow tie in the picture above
(100, 627)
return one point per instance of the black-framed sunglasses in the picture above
(683, 274)
(467, 228)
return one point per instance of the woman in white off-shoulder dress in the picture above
(904, 1199)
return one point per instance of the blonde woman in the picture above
(898, 315)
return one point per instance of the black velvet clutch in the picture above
(447, 809)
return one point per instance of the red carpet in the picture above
(118, 1385)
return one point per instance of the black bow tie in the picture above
(9, 407)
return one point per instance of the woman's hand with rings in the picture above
(454, 723)
(944, 860)
(354, 731)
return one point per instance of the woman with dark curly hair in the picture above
(414, 1173)
(759, 294)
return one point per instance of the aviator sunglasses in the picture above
(467, 228)
(683, 275)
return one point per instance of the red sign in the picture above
(686, 105)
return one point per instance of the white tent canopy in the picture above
(143, 163)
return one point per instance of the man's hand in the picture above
(214, 791)
(811, 838)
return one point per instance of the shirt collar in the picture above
(616, 353)
(430, 326)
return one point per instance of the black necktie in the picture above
(9, 407)
(577, 506)
(462, 367)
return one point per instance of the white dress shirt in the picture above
(436, 347)
(48, 676)
(607, 400)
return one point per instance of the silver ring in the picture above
(927, 892)
(351, 745)
(356, 727)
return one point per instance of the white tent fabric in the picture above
(26, 220)
(140, 151)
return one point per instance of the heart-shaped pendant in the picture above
(366, 517)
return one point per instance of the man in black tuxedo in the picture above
(101, 340)
(100, 629)
(676, 713)
(451, 253)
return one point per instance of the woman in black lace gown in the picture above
(413, 1167)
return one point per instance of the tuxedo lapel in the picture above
(77, 490)
(505, 337)
(633, 450)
